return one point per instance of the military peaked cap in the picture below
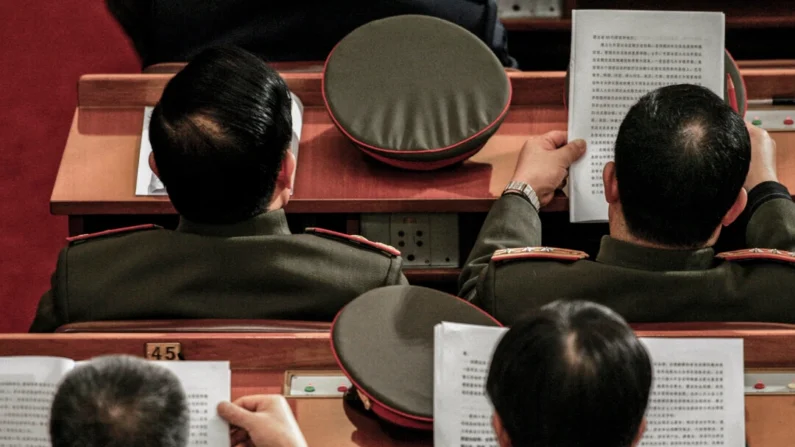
(415, 92)
(383, 342)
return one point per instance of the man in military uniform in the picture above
(681, 173)
(219, 138)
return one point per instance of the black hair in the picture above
(219, 135)
(119, 401)
(682, 155)
(571, 374)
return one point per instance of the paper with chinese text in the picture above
(697, 395)
(462, 413)
(617, 57)
(28, 386)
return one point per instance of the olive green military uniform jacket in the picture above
(253, 269)
(642, 284)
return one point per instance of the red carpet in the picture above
(46, 46)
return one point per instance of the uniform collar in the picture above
(625, 254)
(265, 224)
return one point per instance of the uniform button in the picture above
(759, 386)
(788, 121)
(309, 389)
(342, 389)
(756, 121)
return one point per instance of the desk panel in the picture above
(97, 171)
(99, 165)
(259, 361)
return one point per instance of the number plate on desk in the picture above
(164, 351)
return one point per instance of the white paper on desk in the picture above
(206, 384)
(462, 412)
(698, 393)
(147, 183)
(615, 59)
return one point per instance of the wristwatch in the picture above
(524, 190)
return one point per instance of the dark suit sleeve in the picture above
(50, 313)
(772, 221)
(511, 223)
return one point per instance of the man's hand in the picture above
(262, 421)
(763, 158)
(544, 162)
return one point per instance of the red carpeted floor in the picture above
(46, 46)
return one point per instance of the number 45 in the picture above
(163, 351)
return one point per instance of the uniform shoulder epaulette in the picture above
(355, 239)
(83, 237)
(558, 254)
(747, 254)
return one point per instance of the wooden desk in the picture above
(258, 363)
(97, 171)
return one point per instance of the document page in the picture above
(617, 57)
(206, 384)
(462, 412)
(147, 183)
(698, 393)
(27, 389)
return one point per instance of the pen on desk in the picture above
(772, 102)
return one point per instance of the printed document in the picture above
(617, 57)
(28, 386)
(697, 395)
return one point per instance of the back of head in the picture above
(682, 155)
(119, 401)
(573, 374)
(219, 134)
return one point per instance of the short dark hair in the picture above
(219, 135)
(117, 401)
(571, 374)
(682, 156)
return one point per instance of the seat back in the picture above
(708, 326)
(233, 326)
(282, 67)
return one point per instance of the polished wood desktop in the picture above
(98, 169)
(259, 363)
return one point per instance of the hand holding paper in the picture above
(544, 163)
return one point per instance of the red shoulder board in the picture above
(560, 254)
(355, 240)
(83, 237)
(770, 254)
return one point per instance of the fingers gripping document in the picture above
(147, 183)
(617, 57)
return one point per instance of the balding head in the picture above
(119, 401)
(553, 373)
(681, 157)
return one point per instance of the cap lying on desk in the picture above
(415, 92)
(383, 342)
(734, 87)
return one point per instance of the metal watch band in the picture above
(525, 190)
